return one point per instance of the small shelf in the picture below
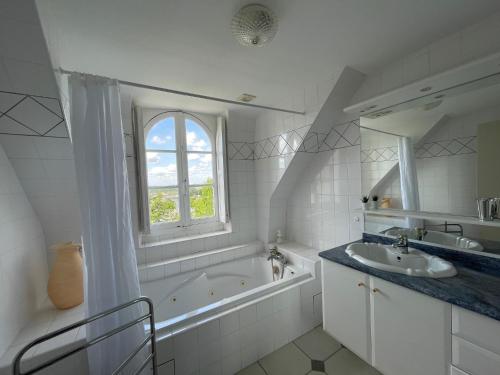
(431, 216)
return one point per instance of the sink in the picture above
(386, 258)
(440, 238)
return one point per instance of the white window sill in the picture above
(151, 240)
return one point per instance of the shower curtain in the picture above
(409, 182)
(100, 161)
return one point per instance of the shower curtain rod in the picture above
(193, 95)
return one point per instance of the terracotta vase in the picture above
(65, 287)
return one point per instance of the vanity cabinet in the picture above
(475, 343)
(346, 301)
(410, 331)
(396, 330)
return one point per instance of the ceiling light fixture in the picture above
(254, 25)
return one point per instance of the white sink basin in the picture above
(387, 258)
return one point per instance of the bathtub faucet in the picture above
(280, 258)
(276, 255)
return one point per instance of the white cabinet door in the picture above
(346, 307)
(410, 331)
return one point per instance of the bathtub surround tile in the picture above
(231, 343)
(229, 323)
(264, 308)
(195, 261)
(317, 344)
(248, 316)
(288, 360)
(231, 364)
(209, 353)
(209, 332)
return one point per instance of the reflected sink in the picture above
(386, 258)
(440, 238)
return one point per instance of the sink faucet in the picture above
(402, 243)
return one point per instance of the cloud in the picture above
(193, 156)
(194, 143)
(153, 157)
(170, 169)
(163, 175)
(157, 140)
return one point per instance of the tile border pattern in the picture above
(297, 140)
(435, 149)
(380, 154)
(48, 105)
(449, 147)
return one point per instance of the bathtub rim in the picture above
(226, 305)
(208, 316)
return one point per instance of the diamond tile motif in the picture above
(455, 146)
(288, 360)
(318, 345)
(33, 115)
(379, 154)
(302, 357)
(297, 140)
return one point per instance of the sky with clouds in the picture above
(162, 167)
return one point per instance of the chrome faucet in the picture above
(276, 255)
(402, 243)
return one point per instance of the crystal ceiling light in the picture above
(254, 25)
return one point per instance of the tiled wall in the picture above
(320, 208)
(234, 341)
(23, 261)
(471, 43)
(32, 129)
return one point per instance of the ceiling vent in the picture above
(254, 25)
(246, 98)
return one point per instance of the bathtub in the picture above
(187, 299)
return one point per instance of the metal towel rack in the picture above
(150, 337)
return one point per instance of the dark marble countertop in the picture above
(476, 287)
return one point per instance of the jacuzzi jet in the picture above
(211, 292)
(242, 282)
(173, 299)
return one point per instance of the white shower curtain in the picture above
(409, 182)
(100, 160)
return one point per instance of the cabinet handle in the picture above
(375, 290)
(361, 284)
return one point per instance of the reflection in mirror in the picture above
(435, 154)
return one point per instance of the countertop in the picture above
(476, 287)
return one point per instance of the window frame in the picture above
(181, 152)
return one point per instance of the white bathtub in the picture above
(196, 296)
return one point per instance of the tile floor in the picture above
(314, 353)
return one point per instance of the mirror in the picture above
(437, 153)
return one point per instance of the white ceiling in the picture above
(187, 45)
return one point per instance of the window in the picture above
(181, 171)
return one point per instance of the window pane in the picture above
(163, 205)
(197, 138)
(200, 170)
(201, 200)
(161, 136)
(162, 169)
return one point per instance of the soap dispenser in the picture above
(279, 236)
